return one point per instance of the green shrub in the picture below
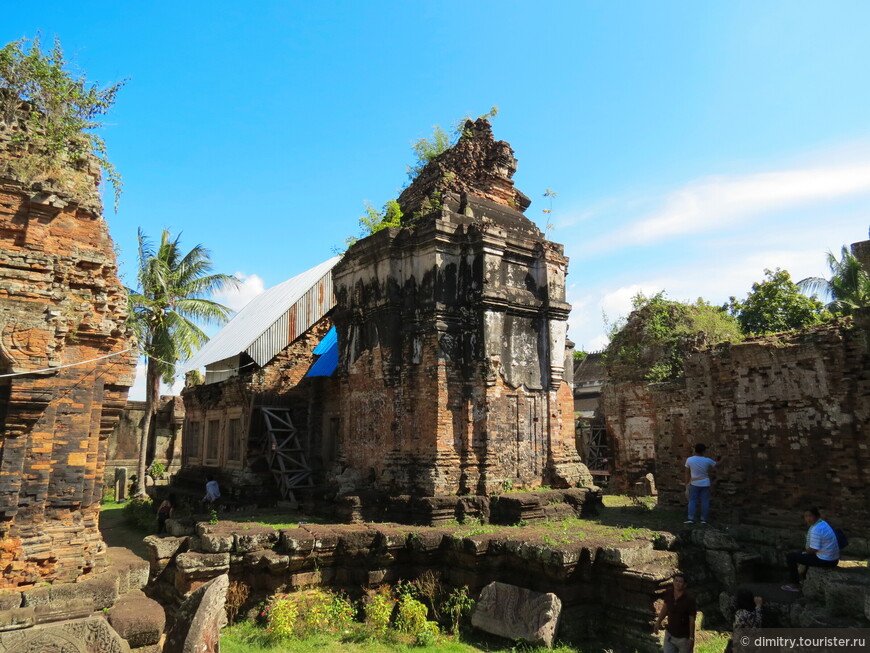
(652, 344)
(64, 111)
(139, 513)
(456, 607)
(304, 614)
(412, 619)
(379, 610)
(156, 470)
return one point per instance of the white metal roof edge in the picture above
(258, 316)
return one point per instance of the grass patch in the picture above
(276, 521)
(249, 638)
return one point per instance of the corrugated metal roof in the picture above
(327, 349)
(273, 319)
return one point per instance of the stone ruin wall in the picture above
(608, 586)
(123, 447)
(61, 303)
(452, 338)
(790, 412)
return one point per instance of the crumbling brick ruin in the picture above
(452, 336)
(61, 303)
(789, 411)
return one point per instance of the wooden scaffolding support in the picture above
(285, 453)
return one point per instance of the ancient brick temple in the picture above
(452, 336)
(62, 308)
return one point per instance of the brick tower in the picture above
(61, 304)
(452, 337)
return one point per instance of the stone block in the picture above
(15, 618)
(133, 571)
(273, 562)
(33, 596)
(101, 589)
(138, 619)
(161, 548)
(818, 579)
(194, 569)
(10, 599)
(64, 610)
(199, 620)
(664, 541)
(216, 542)
(181, 527)
(251, 538)
(722, 566)
(844, 599)
(89, 635)
(814, 615)
(517, 613)
(630, 555)
(719, 541)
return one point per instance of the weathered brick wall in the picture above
(630, 417)
(789, 412)
(61, 303)
(452, 338)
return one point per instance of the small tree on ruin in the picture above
(54, 130)
(164, 311)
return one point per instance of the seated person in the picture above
(821, 549)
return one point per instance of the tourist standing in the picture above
(698, 483)
(212, 491)
(821, 549)
(679, 608)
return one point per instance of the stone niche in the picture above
(452, 337)
(62, 308)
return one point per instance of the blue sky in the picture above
(691, 144)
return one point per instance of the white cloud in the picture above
(617, 303)
(251, 285)
(719, 202)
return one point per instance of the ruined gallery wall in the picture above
(789, 412)
(61, 303)
(222, 426)
(123, 445)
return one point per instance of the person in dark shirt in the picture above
(679, 608)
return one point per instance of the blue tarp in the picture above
(327, 349)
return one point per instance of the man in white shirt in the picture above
(821, 549)
(698, 483)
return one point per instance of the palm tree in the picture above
(163, 312)
(848, 288)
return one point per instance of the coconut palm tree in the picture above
(164, 310)
(848, 288)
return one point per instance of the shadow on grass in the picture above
(625, 512)
(116, 532)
